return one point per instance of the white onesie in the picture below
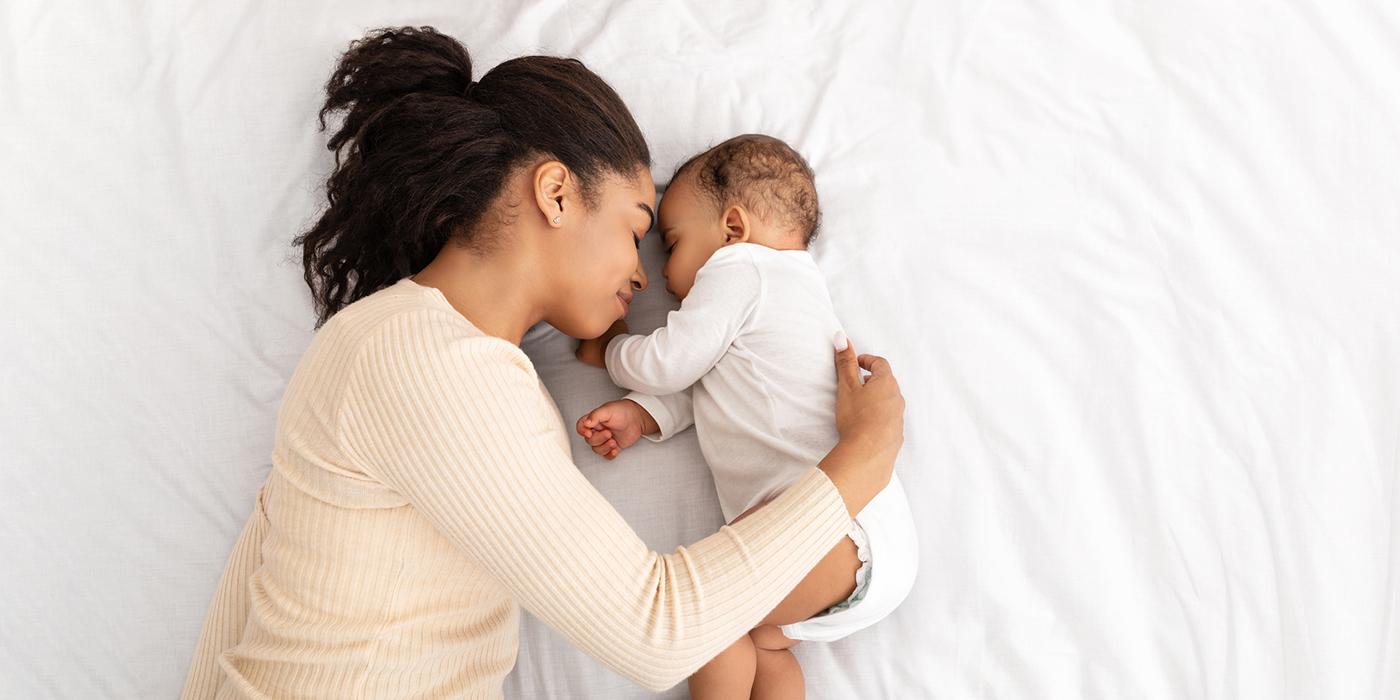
(747, 359)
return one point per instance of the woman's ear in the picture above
(553, 185)
(736, 225)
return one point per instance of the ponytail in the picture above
(423, 152)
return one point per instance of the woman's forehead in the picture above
(638, 188)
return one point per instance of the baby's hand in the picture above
(594, 350)
(615, 426)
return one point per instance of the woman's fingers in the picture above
(847, 366)
(875, 365)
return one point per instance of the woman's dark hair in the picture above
(423, 151)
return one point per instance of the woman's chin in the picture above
(588, 330)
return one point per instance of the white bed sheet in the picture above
(1135, 264)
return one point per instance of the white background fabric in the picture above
(1135, 264)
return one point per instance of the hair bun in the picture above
(420, 159)
(387, 65)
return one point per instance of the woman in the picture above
(422, 489)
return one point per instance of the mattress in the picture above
(1134, 265)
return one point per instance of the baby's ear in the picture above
(736, 223)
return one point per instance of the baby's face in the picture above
(691, 230)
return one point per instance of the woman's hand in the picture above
(870, 421)
(615, 426)
(594, 351)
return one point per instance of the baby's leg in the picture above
(770, 670)
(777, 675)
(728, 676)
(831, 581)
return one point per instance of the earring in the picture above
(556, 221)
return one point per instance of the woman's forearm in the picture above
(849, 466)
(508, 495)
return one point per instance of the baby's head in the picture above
(749, 189)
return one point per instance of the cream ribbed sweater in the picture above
(422, 491)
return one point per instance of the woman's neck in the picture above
(493, 293)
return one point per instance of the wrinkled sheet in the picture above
(1134, 263)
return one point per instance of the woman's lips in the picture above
(625, 300)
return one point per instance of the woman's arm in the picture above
(458, 425)
(228, 613)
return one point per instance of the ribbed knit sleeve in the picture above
(457, 423)
(228, 612)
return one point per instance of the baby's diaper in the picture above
(889, 554)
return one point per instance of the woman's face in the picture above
(598, 267)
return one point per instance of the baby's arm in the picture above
(617, 425)
(671, 412)
(696, 336)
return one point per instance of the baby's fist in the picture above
(615, 426)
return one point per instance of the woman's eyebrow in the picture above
(650, 214)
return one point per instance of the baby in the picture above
(747, 360)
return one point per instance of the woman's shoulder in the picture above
(401, 355)
(413, 325)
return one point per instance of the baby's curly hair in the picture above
(764, 175)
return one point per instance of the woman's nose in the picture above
(639, 278)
